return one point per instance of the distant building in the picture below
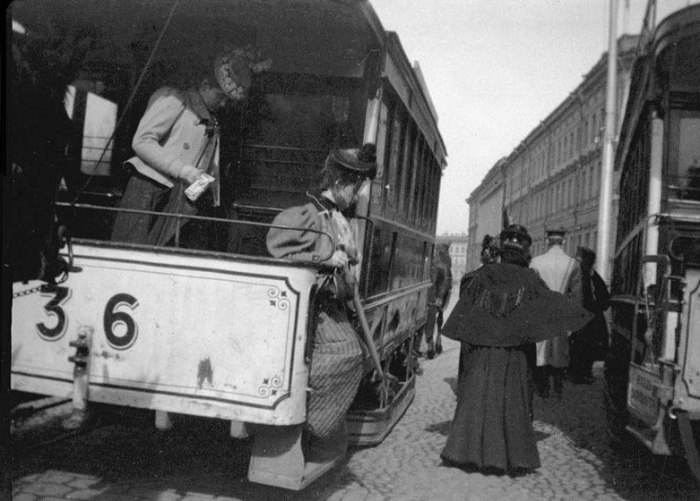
(485, 211)
(458, 253)
(552, 178)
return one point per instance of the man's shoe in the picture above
(431, 354)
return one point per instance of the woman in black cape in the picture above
(504, 310)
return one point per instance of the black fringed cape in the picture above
(509, 305)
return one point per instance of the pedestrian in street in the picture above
(176, 145)
(336, 358)
(590, 343)
(561, 273)
(489, 254)
(503, 311)
(438, 298)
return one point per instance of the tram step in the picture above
(371, 427)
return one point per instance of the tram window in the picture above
(416, 183)
(397, 153)
(383, 137)
(307, 121)
(378, 192)
(427, 259)
(380, 261)
(422, 182)
(432, 191)
(98, 116)
(409, 171)
(392, 148)
(291, 122)
(685, 154)
(407, 262)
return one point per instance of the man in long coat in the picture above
(562, 274)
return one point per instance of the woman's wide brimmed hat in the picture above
(233, 68)
(362, 161)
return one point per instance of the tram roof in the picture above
(672, 49)
(299, 35)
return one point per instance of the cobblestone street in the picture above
(126, 460)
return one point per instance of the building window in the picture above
(571, 145)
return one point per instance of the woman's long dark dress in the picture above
(504, 311)
(491, 426)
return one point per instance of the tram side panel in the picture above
(187, 334)
(687, 386)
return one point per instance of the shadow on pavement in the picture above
(632, 471)
(441, 428)
(124, 457)
(452, 383)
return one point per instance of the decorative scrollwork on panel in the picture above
(278, 298)
(270, 386)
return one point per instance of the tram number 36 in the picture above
(119, 327)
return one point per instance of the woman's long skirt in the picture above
(492, 427)
(336, 371)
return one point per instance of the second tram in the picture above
(653, 369)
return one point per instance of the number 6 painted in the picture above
(113, 318)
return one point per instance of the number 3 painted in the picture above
(53, 308)
(113, 319)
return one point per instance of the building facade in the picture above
(551, 180)
(459, 244)
(485, 211)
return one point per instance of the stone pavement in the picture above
(577, 462)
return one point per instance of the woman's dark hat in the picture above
(516, 233)
(487, 240)
(362, 161)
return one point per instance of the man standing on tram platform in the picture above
(176, 145)
(562, 274)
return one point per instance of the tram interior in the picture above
(312, 99)
(272, 149)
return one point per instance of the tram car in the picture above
(214, 326)
(652, 372)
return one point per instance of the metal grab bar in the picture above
(200, 218)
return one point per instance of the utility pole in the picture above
(606, 190)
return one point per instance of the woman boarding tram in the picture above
(336, 358)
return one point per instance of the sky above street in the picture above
(494, 70)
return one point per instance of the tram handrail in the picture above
(199, 218)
